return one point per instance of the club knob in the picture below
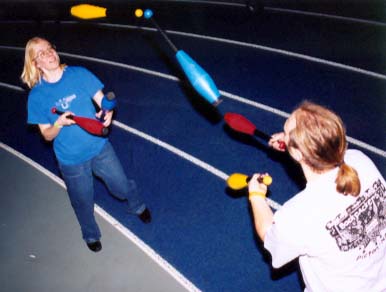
(105, 131)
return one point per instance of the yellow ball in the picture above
(267, 180)
(138, 12)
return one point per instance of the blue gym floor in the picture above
(176, 145)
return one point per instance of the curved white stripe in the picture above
(148, 250)
(302, 12)
(121, 65)
(126, 232)
(224, 93)
(250, 45)
(240, 5)
(366, 146)
(12, 48)
(173, 149)
(255, 104)
(183, 155)
(284, 52)
(34, 164)
(323, 15)
(264, 48)
(214, 3)
(10, 86)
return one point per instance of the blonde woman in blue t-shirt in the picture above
(80, 155)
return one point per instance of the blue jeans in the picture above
(80, 187)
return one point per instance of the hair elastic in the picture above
(340, 163)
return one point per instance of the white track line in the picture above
(259, 47)
(323, 15)
(292, 11)
(215, 171)
(223, 93)
(143, 246)
(10, 86)
(126, 232)
(241, 5)
(215, 3)
(255, 104)
(184, 155)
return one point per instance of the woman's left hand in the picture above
(107, 117)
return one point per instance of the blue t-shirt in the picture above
(73, 92)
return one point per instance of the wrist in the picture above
(57, 125)
(256, 194)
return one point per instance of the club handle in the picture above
(262, 135)
(56, 111)
(267, 137)
(102, 117)
(266, 179)
(167, 39)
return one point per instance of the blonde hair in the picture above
(31, 74)
(321, 137)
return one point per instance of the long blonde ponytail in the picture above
(321, 138)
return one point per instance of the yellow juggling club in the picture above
(238, 181)
(87, 11)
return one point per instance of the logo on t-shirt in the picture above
(363, 224)
(65, 102)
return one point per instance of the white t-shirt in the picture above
(340, 240)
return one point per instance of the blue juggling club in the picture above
(108, 103)
(197, 76)
(199, 79)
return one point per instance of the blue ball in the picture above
(148, 13)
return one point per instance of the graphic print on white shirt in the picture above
(363, 224)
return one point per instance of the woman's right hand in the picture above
(63, 120)
(256, 186)
(277, 142)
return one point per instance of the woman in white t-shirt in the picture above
(336, 226)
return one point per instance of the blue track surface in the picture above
(199, 226)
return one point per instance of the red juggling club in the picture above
(91, 126)
(241, 124)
